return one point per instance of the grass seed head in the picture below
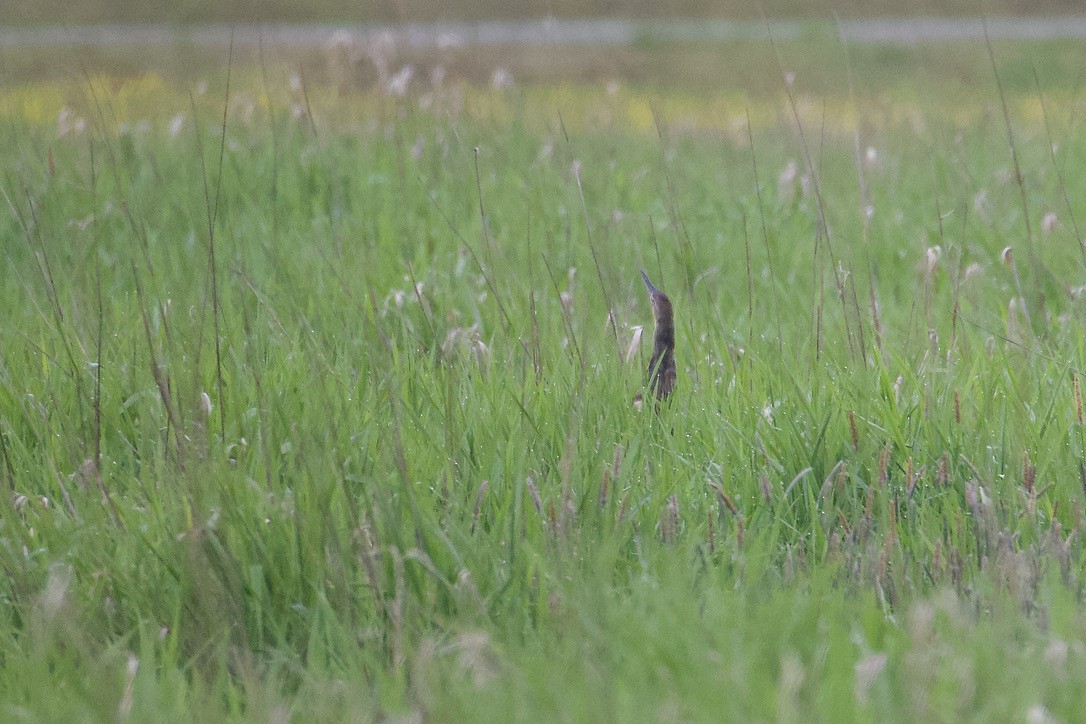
(622, 508)
(605, 485)
(1029, 473)
(931, 260)
(884, 466)
(942, 474)
(972, 498)
(765, 487)
(867, 671)
(1049, 222)
(533, 492)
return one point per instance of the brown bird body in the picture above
(662, 363)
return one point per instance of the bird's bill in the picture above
(652, 289)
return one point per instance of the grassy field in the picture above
(321, 408)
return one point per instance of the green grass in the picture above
(441, 503)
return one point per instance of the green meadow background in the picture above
(318, 367)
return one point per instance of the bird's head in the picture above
(661, 305)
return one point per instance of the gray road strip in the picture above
(544, 32)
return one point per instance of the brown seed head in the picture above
(1029, 472)
(1078, 401)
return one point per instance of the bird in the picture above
(661, 370)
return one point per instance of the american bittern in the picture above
(662, 364)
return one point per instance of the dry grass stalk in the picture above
(723, 498)
(635, 343)
(876, 323)
(729, 504)
(835, 477)
(124, 708)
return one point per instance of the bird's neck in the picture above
(664, 338)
